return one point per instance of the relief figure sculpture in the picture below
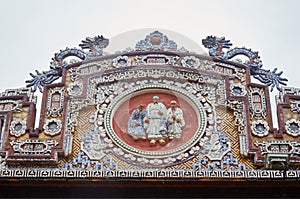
(155, 122)
(136, 123)
(175, 121)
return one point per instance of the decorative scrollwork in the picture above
(33, 147)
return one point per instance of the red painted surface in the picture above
(122, 115)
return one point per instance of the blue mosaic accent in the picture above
(82, 162)
(87, 138)
(228, 163)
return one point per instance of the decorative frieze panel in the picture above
(156, 59)
(33, 147)
(257, 103)
(55, 102)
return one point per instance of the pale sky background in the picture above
(33, 30)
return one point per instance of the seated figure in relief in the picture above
(136, 123)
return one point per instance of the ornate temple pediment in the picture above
(152, 111)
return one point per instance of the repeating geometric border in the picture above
(157, 174)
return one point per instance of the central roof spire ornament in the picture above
(156, 41)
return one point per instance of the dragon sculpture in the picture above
(40, 79)
(216, 45)
(95, 45)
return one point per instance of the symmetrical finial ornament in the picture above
(156, 41)
(216, 45)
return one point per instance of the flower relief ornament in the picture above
(17, 127)
(237, 89)
(216, 46)
(52, 127)
(293, 127)
(121, 61)
(260, 128)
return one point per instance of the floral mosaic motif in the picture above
(156, 41)
(52, 127)
(17, 127)
(260, 128)
(293, 127)
(121, 61)
(237, 89)
(190, 62)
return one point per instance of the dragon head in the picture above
(216, 42)
(97, 42)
